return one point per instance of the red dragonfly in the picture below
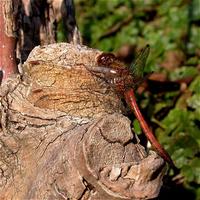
(124, 80)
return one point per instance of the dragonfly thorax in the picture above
(122, 83)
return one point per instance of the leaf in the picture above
(185, 141)
(188, 173)
(176, 118)
(195, 85)
(136, 127)
(195, 165)
(194, 39)
(194, 102)
(179, 159)
(192, 61)
(198, 193)
(195, 10)
(183, 72)
(194, 131)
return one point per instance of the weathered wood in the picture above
(64, 136)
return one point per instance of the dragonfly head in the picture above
(116, 74)
(106, 59)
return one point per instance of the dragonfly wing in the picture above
(137, 67)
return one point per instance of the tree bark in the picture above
(64, 137)
(8, 36)
(25, 24)
(38, 24)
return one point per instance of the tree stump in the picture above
(64, 135)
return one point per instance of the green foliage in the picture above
(180, 134)
(168, 26)
(183, 72)
(136, 127)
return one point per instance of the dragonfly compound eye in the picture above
(106, 59)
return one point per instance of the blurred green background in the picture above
(171, 97)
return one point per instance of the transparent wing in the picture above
(137, 67)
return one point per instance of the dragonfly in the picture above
(125, 80)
